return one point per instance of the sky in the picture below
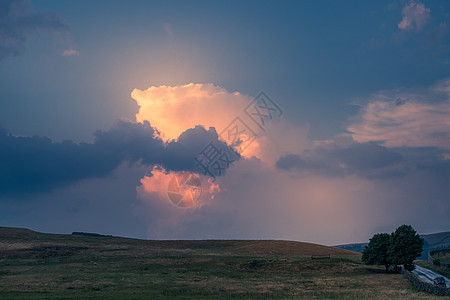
(317, 121)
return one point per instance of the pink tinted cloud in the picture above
(70, 52)
(415, 16)
(262, 203)
(406, 120)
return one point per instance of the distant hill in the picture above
(88, 233)
(357, 247)
(435, 241)
(432, 241)
(25, 239)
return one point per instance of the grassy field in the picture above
(50, 266)
(443, 257)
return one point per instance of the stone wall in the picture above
(425, 286)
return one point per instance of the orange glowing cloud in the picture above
(172, 110)
(182, 189)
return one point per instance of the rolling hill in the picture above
(36, 265)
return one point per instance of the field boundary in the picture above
(321, 256)
(425, 286)
(435, 262)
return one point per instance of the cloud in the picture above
(330, 192)
(255, 199)
(18, 22)
(402, 119)
(415, 16)
(70, 52)
(258, 202)
(340, 191)
(36, 164)
(106, 205)
(344, 157)
(173, 109)
(272, 204)
(180, 154)
(366, 156)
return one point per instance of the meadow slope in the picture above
(55, 266)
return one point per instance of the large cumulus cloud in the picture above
(173, 109)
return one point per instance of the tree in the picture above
(406, 246)
(376, 252)
(400, 248)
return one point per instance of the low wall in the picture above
(433, 261)
(425, 286)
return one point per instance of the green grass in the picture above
(443, 257)
(42, 266)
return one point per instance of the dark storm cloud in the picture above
(297, 162)
(18, 22)
(178, 155)
(365, 159)
(366, 156)
(36, 164)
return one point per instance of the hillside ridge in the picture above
(23, 238)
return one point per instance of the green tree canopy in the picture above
(376, 252)
(400, 248)
(405, 246)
